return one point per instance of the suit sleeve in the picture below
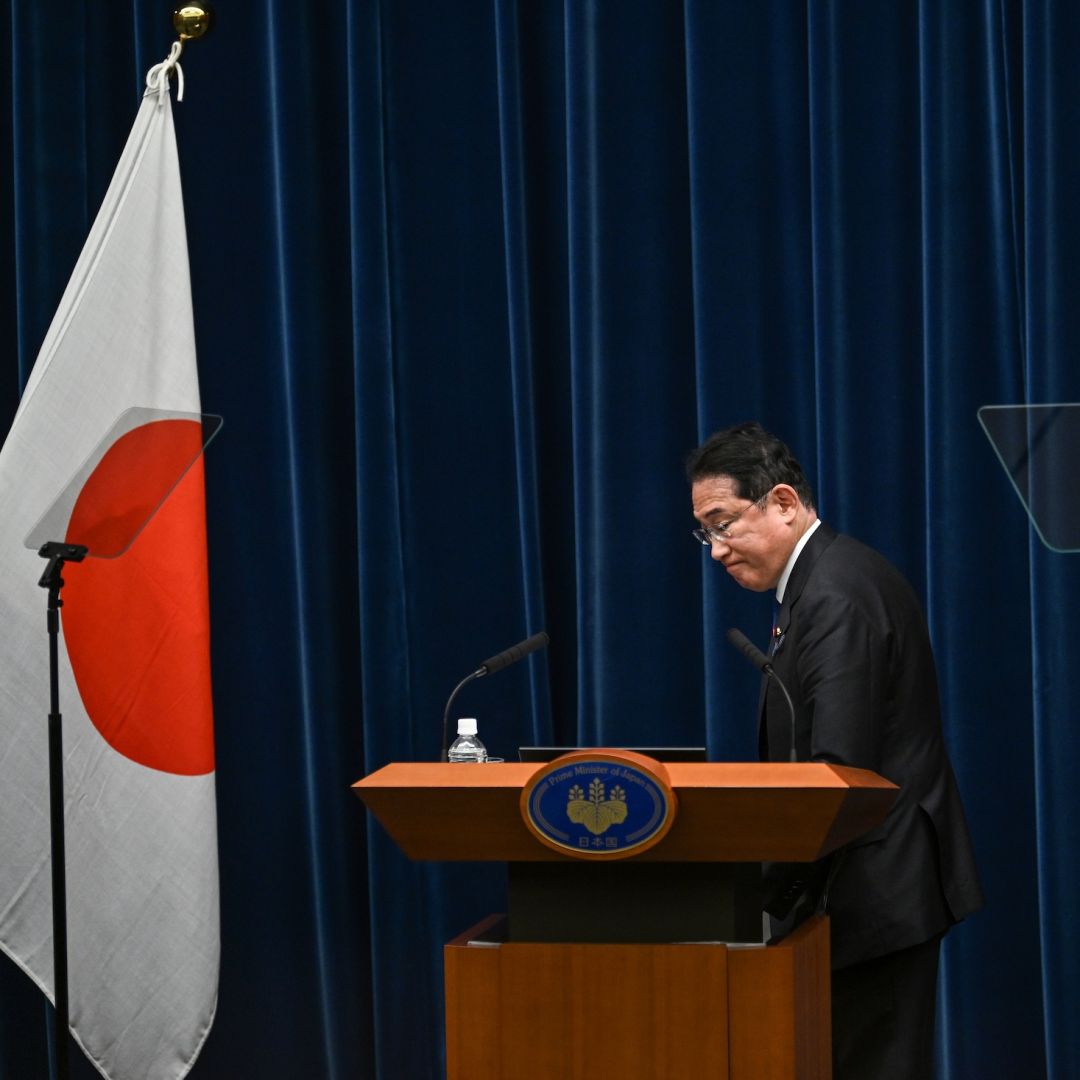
(841, 660)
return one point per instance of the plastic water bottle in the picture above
(467, 747)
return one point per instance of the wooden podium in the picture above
(650, 967)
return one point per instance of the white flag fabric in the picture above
(141, 832)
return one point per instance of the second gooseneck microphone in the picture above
(489, 667)
(761, 662)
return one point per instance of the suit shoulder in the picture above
(846, 556)
(859, 572)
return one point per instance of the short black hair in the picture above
(755, 460)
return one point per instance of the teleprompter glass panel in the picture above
(128, 475)
(1039, 448)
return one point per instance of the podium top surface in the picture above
(727, 812)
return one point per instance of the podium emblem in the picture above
(599, 803)
(596, 813)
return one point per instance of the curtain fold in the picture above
(521, 335)
(1051, 169)
(469, 283)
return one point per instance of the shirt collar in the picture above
(781, 585)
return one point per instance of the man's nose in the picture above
(718, 549)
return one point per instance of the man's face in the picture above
(759, 543)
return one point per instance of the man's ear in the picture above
(787, 498)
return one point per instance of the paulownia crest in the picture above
(596, 812)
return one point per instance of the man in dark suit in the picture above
(851, 645)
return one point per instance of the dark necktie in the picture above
(774, 636)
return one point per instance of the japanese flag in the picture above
(142, 878)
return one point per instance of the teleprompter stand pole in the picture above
(57, 554)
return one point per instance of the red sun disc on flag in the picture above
(136, 628)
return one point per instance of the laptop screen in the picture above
(660, 753)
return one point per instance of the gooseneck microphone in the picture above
(761, 662)
(489, 667)
(513, 654)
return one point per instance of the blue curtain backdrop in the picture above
(469, 282)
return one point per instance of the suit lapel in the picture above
(800, 573)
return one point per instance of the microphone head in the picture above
(752, 653)
(514, 654)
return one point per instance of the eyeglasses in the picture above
(707, 535)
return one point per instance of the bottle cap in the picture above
(467, 726)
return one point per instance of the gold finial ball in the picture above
(191, 21)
